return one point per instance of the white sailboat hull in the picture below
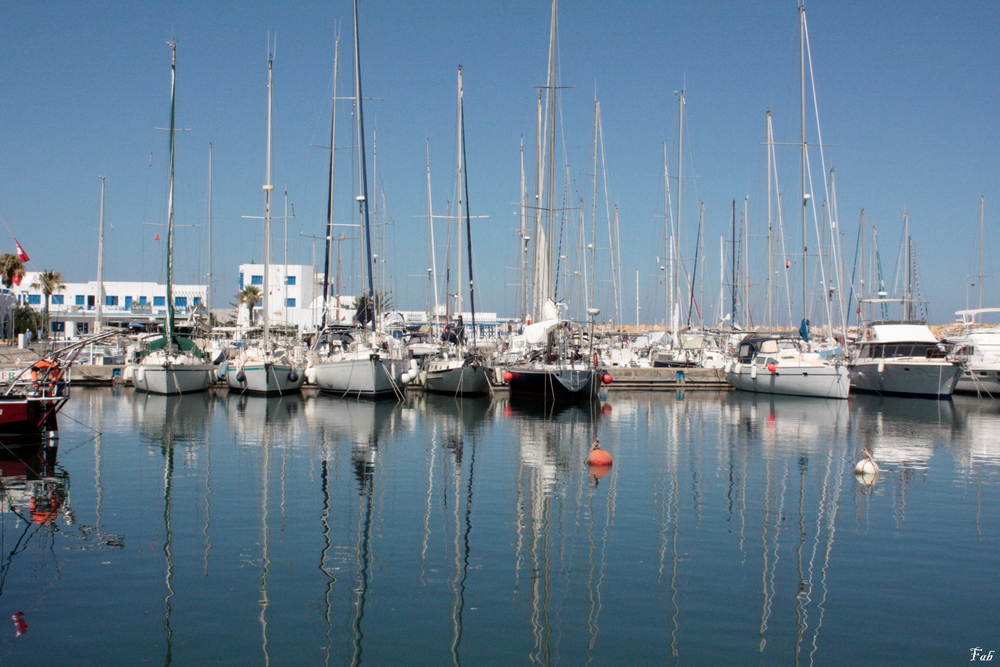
(171, 378)
(265, 378)
(822, 381)
(368, 375)
(906, 377)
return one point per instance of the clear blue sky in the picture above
(908, 95)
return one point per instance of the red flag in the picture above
(156, 238)
(16, 279)
(21, 255)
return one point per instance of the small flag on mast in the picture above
(21, 255)
(156, 238)
(16, 279)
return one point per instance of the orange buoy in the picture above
(507, 376)
(771, 367)
(598, 456)
(606, 378)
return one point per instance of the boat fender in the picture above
(405, 377)
(311, 374)
(293, 376)
(595, 359)
(881, 365)
(241, 377)
(140, 374)
(129, 373)
(753, 371)
(223, 369)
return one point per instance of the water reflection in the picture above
(471, 531)
(34, 499)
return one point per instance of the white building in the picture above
(73, 310)
(296, 300)
(296, 295)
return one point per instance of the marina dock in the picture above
(625, 379)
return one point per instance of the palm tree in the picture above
(250, 296)
(49, 282)
(383, 304)
(11, 269)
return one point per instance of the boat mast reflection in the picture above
(553, 445)
(167, 422)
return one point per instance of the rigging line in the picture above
(826, 186)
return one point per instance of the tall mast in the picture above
(268, 189)
(430, 232)
(541, 242)
(545, 179)
(98, 317)
(460, 192)
(465, 187)
(550, 151)
(668, 255)
(329, 197)
(593, 207)
(524, 238)
(211, 272)
(733, 262)
(769, 314)
(680, 184)
(362, 197)
(909, 310)
(170, 197)
(802, 133)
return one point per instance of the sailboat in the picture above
(780, 363)
(340, 363)
(557, 367)
(267, 367)
(171, 363)
(455, 370)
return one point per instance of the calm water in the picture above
(731, 530)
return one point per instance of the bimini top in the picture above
(898, 332)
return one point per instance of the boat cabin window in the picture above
(746, 353)
(900, 350)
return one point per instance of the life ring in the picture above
(45, 365)
(868, 334)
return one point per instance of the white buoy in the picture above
(867, 465)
